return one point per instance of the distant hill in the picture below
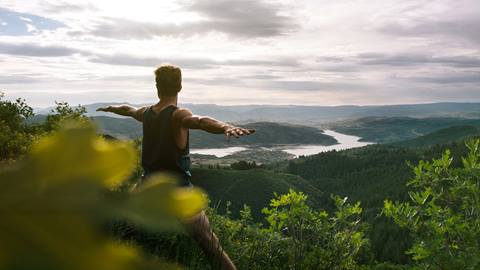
(443, 136)
(267, 134)
(394, 129)
(258, 155)
(253, 187)
(310, 115)
(124, 128)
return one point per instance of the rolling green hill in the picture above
(372, 174)
(125, 128)
(267, 134)
(253, 187)
(369, 174)
(443, 136)
(394, 129)
(259, 156)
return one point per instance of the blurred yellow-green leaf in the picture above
(76, 153)
(160, 203)
(52, 203)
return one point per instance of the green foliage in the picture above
(296, 237)
(15, 135)
(443, 214)
(243, 165)
(53, 202)
(64, 112)
(314, 239)
(253, 187)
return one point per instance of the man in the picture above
(165, 147)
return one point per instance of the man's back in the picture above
(160, 152)
(165, 147)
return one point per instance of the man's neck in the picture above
(165, 101)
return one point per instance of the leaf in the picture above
(161, 204)
(57, 157)
(51, 203)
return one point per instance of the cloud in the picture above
(56, 7)
(315, 86)
(184, 62)
(131, 60)
(465, 29)
(410, 59)
(18, 79)
(36, 50)
(471, 78)
(248, 18)
(243, 19)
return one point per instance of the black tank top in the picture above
(160, 153)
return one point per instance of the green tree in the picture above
(443, 214)
(15, 135)
(64, 112)
(314, 239)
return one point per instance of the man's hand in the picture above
(190, 121)
(237, 131)
(125, 110)
(105, 109)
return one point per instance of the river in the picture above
(344, 142)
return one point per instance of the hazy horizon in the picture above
(302, 52)
(260, 105)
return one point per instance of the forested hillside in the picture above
(369, 174)
(260, 212)
(268, 134)
(395, 129)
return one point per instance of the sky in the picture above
(304, 52)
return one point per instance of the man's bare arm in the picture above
(208, 124)
(125, 110)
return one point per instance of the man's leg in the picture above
(202, 232)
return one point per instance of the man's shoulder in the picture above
(181, 113)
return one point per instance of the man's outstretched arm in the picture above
(125, 110)
(208, 124)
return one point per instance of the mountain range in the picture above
(312, 115)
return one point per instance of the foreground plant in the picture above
(53, 202)
(444, 212)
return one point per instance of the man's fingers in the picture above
(237, 132)
(234, 133)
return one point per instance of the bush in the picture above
(443, 214)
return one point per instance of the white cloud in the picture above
(302, 52)
(25, 19)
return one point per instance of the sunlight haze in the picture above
(301, 52)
